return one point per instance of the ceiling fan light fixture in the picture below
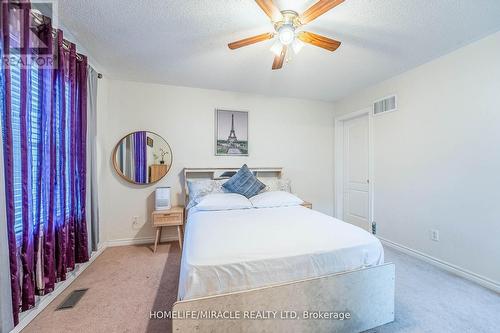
(276, 48)
(297, 45)
(286, 34)
(288, 31)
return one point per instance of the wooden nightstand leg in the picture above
(157, 238)
(179, 233)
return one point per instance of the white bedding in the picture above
(233, 250)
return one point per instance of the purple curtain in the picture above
(140, 157)
(52, 154)
(8, 161)
(27, 246)
(80, 175)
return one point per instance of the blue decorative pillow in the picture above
(244, 183)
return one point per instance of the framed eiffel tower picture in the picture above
(231, 133)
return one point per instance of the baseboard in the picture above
(41, 303)
(479, 279)
(138, 241)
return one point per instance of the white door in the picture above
(356, 172)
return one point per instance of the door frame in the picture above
(339, 162)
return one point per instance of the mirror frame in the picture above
(117, 169)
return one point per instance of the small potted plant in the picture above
(162, 155)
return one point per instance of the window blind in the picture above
(34, 137)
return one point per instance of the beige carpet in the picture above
(127, 282)
(124, 283)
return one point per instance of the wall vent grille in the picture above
(385, 105)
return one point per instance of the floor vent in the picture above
(72, 299)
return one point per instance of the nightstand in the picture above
(307, 204)
(168, 218)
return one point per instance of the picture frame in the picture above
(231, 132)
(149, 141)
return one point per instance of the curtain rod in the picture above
(40, 19)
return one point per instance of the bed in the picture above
(284, 262)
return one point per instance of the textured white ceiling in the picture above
(184, 42)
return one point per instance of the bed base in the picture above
(366, 294)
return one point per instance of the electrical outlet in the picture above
(435, 235)
(135, 222)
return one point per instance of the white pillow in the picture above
(275, 199)
(200, 188)
(223, 201)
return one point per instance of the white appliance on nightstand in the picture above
(162, 198)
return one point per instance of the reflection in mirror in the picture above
(142, 157)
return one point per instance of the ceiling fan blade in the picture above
(279, 59)
(270, 9)
(318, 40)
(318, 9)
(250, 40)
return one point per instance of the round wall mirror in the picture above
(142, 157)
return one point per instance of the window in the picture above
(35, 137)
(34, 140)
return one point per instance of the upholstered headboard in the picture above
(218, 173)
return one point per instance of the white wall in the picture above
(290, 133)
(437, 159)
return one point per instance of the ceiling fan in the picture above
(286, 25)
